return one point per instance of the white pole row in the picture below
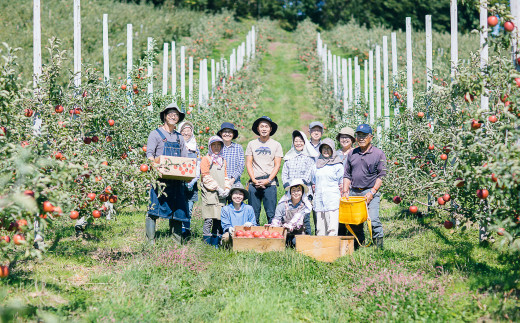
(37, 43)
(77, 43)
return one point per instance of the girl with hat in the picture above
(233, 152)
(237, 212)
(292, 209)
(215, 188)
(172, 205)
(191, 191)
(298, 163)
(346, 138)
(327, 174)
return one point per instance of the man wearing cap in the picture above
(236, 213)
(172, 205)
(263, 160)
(364, 172)
(316, 132)
(233, 152)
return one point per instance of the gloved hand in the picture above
(231, 230)
(220, 192)
(189, 186)
(288, 226)
(248, 224)
(226, 192)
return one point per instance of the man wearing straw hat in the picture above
(364, 172)
(263, 160)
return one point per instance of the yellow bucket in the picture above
(353, 210)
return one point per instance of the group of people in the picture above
(314, 175)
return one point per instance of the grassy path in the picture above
(286, 95)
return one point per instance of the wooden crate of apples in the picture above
(259, 239)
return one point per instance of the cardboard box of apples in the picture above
(259, 239)
(179, 168)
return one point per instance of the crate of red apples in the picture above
(259, 239)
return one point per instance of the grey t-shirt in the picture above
(155, 145)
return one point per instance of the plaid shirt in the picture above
(234, 156)
(297, 167)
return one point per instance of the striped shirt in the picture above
(234, 156)
(297, 167)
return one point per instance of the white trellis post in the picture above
(378, 83)
(335, 76)
(150, 74)
(325, 68)
(77, 43)
(429, 54)
(350, 79)
(371, 85)
(165, 70)
(357, 81)
(386, 95)
(254, 41)
(394, 61)
(129, 53)
(201, 83)
(366, 81)
(454, 41)
(37, 43)
(190, 80)
(409, 74)
(174, 73)
(212, 77)
(183, 74)
(345, 95)
(394, 72)
(205, 82)
(329, 61)
(515, 12)
(484, 99)
(106, 62)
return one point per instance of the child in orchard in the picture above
(236, 213)
(215, 188)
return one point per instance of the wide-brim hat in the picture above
(230, 126)
(239, 187)
(298, 182)
(172, 106)
(274, 126)
(347, 131)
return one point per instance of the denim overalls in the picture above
(174, 205)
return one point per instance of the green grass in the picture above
(425, 273)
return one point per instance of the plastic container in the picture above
(353, 210)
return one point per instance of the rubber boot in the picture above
(80, 226)
(176, 230)
(150, 230)
(379, 243)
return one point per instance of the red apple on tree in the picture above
(413, 209)
(492, 21)
(448, 224)
(509, 26)
(482, 193)
(396, 199)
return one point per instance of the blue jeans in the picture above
(187, 225)
(268, 196)
(373, 213)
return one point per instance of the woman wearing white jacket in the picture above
(326, 176)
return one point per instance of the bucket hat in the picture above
(298, 182)
(274, 126)
(239, 187)
(347, 131)
(228, 125)
(172, 106)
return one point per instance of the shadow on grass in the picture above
(460, 256)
